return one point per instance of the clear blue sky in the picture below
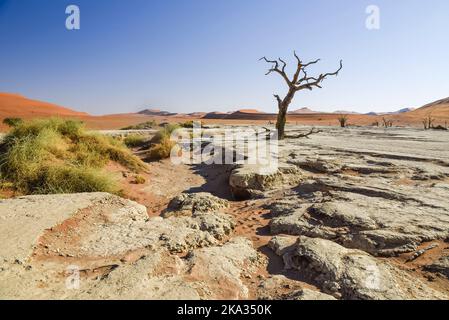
(202, 55)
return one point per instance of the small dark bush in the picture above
(12, 122)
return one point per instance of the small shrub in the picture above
(12, 122)
(134, 140)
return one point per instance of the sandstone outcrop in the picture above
(248, 179)
(190, 203)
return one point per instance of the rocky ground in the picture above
(350, 214)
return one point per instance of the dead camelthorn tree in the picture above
(300, 81)
(343, 119)
(428, 121)
(387, 123)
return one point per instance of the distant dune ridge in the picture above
(15, 105)
(156, 112)
(403, 110)
(302, 110)
(345, 112)
(438, 103)
(249, 111)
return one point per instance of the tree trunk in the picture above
(280, 123)
(282, 113)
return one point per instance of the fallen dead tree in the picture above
(304, 135)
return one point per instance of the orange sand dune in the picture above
(14, 105)
(438, 110)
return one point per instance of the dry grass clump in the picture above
(162, 149)
(142, 126)
(59, 156)
(134, 140)
(138, 179)
(161, 143)
(190, 124)
(165, 132)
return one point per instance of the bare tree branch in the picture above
(310, 63)
(298, 68)
(296, 56)
(279, 100)
(284, 64)
(275, 68)
(317, 81)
